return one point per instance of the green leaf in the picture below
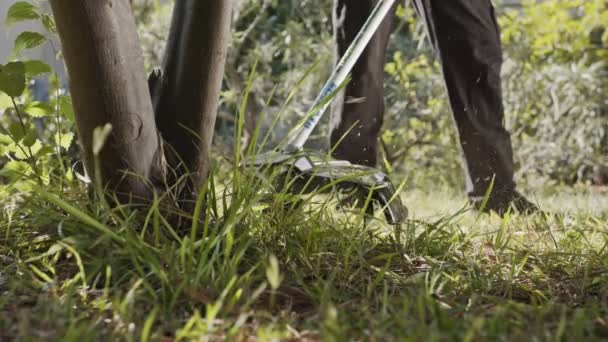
(5, 149)
(38, 109)
(5, 102)
(23, 153)
(21, 11)
(5, 139)
(35, 68)
(17, 131)
(36, 147)
(45, 150)
(66, 108)
(65, 140)
(16, 168)
(12, 78)
(48, 23)
(27, 40)
(30, 138)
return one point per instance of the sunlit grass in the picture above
(454, 275)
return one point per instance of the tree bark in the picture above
(108, 85)
(186, 98)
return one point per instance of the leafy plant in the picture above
(34, 135)
(555, 86)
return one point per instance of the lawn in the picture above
(74, 270)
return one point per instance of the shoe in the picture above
(501, 202)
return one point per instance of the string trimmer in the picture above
(305, 172)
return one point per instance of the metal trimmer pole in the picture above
(343, 68)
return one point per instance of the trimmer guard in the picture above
(306, 173)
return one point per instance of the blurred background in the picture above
(554, 80)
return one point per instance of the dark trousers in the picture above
(466, 38)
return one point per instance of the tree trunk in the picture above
(108, 85)
(186, 98)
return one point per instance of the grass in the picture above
(71, 269)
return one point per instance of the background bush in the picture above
(555, 86)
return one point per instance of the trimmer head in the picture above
(302, 174)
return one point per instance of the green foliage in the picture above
(556, 31)
(35, 68)
(556, 86)
(34, 135)
(21, 11)
(12, 78)
(28, 40)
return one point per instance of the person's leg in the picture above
(357, 116)
(467, 38)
